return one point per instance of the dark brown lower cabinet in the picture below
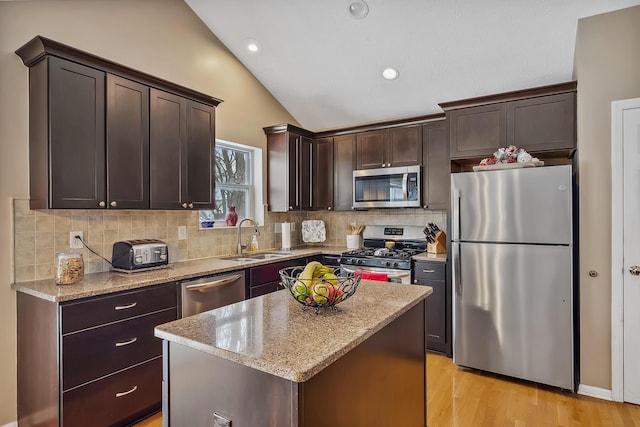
(75, 370)
(266, 278)
(433, 273)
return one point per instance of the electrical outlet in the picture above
(76, 243)
(182, 232)
(293, 226)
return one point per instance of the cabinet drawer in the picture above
(97, 352)
(116, 400)
(266, 288)
(98, 311)
(429, 270)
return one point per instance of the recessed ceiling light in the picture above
(358, 9)
(390, 73)
(252, 45)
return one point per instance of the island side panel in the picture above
(382, 382)
(201, 384)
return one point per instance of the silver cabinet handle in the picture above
(190, 205)
(384, 165)
(290, 208)
(428, 271)
(214, 284)
(184, 205)
(102, 204)
(123, 343)
(635, 270)
(329, 208)
(388, 165)
(124, 307)
(114, 204)
(124, 393)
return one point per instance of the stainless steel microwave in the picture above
(387, 187)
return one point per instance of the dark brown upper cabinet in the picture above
(478, 131)
(288, 168)
(323, 174)
(540, 120)
(66, 135)
(435, 165)
(344, 162)
(89, 133)
(398, 146)
(182, 153)
(127, 144)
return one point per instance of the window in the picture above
(234, 171)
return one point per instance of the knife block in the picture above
(440, 245)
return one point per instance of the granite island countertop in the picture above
(274, 334)
(95, 284)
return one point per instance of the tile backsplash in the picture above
(40, 234)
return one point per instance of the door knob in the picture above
(635, 270)
(114, 204)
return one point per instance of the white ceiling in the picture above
(325, 67)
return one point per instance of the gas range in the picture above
(387, 247)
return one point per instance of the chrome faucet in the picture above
(240, 246)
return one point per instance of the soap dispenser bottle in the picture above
(253, 247)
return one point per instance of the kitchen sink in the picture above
(255, 257)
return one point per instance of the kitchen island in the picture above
(268, 362)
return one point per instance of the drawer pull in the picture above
(428, 271)
(124, 393)
(124, 307)
(123, 343)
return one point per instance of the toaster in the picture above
(139, 254)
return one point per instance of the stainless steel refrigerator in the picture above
(512, 247)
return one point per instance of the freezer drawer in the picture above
(513, 310)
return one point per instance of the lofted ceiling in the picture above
(325, 66)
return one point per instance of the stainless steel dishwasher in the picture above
(207, 293)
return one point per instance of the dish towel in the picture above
(371, 275)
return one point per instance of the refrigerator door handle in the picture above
(457, 273)
(456, 214)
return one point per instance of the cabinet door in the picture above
(437, 314)
(304, 173)
(201, 140)
(478, 131)
(544, 123)
(168, 160)
(278, 173)
(404, 146)
(299, 172)
(76, 136)
(322, 180)
(343, 166)
(435, 160)
(127, 144)
(370, 149)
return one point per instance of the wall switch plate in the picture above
(182, 232)
(293, 226)
(76, 243)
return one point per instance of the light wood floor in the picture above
(465, 398)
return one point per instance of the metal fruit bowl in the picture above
(318, 292)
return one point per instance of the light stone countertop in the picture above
(273, 333)
(430, 257)
(108, 282)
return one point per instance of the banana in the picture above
(306, 277)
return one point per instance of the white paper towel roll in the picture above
(286, 235)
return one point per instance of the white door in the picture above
(626, 250)
(631, 238)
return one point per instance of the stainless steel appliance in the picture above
(513, 273)
(387, 250)
(211, 292)
(139, 254)
(387, 187)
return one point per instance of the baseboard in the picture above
(13, 424)
(600, 393)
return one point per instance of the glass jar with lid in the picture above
(69, 268)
